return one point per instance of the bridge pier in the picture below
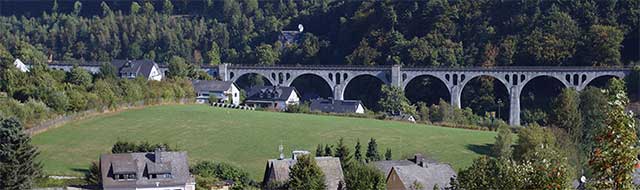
(456, 93)
(338, 92)
(514, 105)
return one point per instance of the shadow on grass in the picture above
(484, 149)
(81, 170)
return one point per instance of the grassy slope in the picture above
(246, 138)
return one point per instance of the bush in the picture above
(223, 171)
(299, 108)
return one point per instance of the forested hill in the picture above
(425, 33)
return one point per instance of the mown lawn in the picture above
(246, 138)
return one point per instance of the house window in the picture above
(124, 177)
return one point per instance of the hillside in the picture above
(246, 138)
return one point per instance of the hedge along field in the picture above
(247, 138)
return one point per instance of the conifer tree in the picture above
(306, 175)
(372, 151)
(387, 155)
(18, 165)
(358, 154)
(319, 150)
(502, 147)
(343, 153)
(327, 150)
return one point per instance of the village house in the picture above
(277, 170)
(150, 170)
(139, 68)
(337, 106)
(416, 172)
(275, 97)
(223, 91)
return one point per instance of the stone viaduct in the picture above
(513, 78)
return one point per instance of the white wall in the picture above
(155, 73)
(234, 92)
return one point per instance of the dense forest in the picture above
(418, 33)
(437, 33)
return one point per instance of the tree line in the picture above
(414, 33)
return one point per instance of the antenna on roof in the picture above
(281, 149)
(300, 27)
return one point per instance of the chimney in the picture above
(158, 155)
(419, 159)
(281, 148)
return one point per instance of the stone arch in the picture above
(367, 100)
(234, 76)
(501, 92)
(591, 79)
(296, 76)
(326, 85)
(559, 78)
(407, 80)
(538, 95)
(351, 77)
(411, 93)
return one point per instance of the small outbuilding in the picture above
(135, 68)
(223, 91)
(337, 106)
(275, 97)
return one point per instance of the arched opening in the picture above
(427, 89)
(537, 99)
(486, 95)
(249, 80)
(365, 88)
(312, 86)
(601, 81)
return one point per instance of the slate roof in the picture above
(386, 165)
(139, 67)
(278, 170)
(335, 106)
(143, 164)
(428, 176)
(270, 93)
(211, 85)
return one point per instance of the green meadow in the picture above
(247, 138)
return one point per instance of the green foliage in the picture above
(372, 151)
(364, 176)
(342, 152)
(178, 68)
(129, 147)
(222, 171)
(299, 108)
(387, 154)
(266, 54)
(18, 164)
(93, 176)
(107, 71)
(531, 137)
(213, 55)
(502, 147)
(393, 100)
(357, 154)
(615, 153)
(306, 175)
(567, 113)
(606, 40)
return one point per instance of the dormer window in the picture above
(125, 176)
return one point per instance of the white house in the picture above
(224, 91)
(20, 65)
(277, 97)
(157, 170)
(145, 68)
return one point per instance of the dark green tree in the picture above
(178, 68)
(567, 113)
(80, 77)
(502, 147)
(327, 150)
(387, 154)
(604, 45)
(107, 71)
(342, 152)
(306, 175)
(393, 100)
(18, 164)
(372, 151)
(319, 150)
(364, 176)
(358, 153)
(267, 55)
(93, 177)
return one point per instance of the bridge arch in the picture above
(237, 78)
(597, 80)
(441, 91)
(363, 87)
(536, 103)
(309, 88)
(499, 92)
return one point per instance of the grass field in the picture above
(246, 138)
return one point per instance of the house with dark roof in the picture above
(138, 68)
(336, 106)
(416, 172)
(277, 170)
(223, 91)
(276, 97)
(148, 170)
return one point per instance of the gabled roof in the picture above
(139, 67)
(143, 164)
(278, 170)
(335, 106)
(270, 93)
(386, 165)
(428, 176)
(211, 85)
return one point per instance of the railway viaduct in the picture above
(513, 78)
